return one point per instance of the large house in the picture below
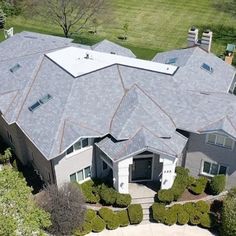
(75, 111)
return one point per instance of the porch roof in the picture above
(143, 140)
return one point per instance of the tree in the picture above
(67, 14)
(66, 206)
(19, 214)
(228, 227)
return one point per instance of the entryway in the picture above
(141, 169)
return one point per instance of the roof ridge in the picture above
(205, 126)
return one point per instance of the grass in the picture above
(154, 25)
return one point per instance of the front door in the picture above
(141, 169)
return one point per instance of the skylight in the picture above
(207, 68)
(40, 102)
(15, 68)
(171, 60)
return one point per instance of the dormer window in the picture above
(220, 140)
(82, 143)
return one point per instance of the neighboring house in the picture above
(75, 112)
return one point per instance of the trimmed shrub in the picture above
(177, 208)
(88, 191)
(111, 218)
(108, 195)
(165, 196)
(170, 217)
(228, 226)
(194, 217)
(158, 212)
(181, 170)
(85, 228)
(135, 213)
(182, 217)
(123, 200)
(202, 206)
(207, 220)
(189, 207)
(217, 184)
(89, 215)
(199, 186)
(98, 224)
(123, 218)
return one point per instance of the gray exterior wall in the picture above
(25, 150)
(64, 166)
(198, 150)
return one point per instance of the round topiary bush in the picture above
(194, 217)
(217, 184)
(165, 196)
(111, 218)
(123, 200)
(177, 208)
(135, 213)
(207, 220)
(170, 217)
(85, 228)
(202, 206)
(158, 212)
(189, 207)
(181, 170)
(199, 186)
(98, 224)
(182, 217)
(108, 195)
(123, 218)
(89, 215)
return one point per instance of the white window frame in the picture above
(75, 151)
(212, 163)
(83, 173)
(216, 138)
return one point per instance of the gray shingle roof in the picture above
(110, 47)
(133, 104)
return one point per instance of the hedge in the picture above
(135, 213)
(158, 212)
(165, 196)
(108, 196)
(170, 217)
(202, 206)
(182, 217)
(199, 186)
(111, 218)
(189, 207)
(123, 200)
(194, 217)
(85, 228)
(90, 195)
(98, 224)
(217, 184)
(207, 220)
(123, 218)
(89, 215)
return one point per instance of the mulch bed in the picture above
(188, 196)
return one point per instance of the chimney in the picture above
(192, 36)
(206, 40)
(229, 53)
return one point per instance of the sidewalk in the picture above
(154, 229)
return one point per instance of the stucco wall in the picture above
(198, 150)
(64, 166)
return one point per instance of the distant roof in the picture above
(113, 48)
(125, 100)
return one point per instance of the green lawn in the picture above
(154, 25)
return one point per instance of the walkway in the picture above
(154, 229)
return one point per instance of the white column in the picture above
(121, 175)
(168, 171)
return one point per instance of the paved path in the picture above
(154, 229)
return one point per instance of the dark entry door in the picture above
(142, 169)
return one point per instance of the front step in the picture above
(143, 200)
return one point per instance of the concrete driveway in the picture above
(154, 229)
